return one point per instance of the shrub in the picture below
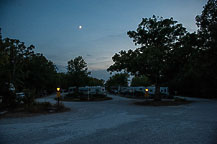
(38, 107)
(178, 99)
(29, 98)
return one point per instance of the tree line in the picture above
(169, 55)
(22, 68)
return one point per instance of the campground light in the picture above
(146, 93)
(58, 96)
(58, 89)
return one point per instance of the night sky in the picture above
(52, 26)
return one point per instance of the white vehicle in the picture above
(164, 90)
(124, 90)
(131, 89)
(92, 90)
(71, 90)
(20, 95)
(64, 92)
(83, 90)
(151, 89)
(86, 90)
(11, 87)
(99, 90)
(139, 89)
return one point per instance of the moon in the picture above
(80, 27)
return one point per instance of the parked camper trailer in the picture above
(164, 90)
(92, 90)
(151, 89)
(124, 90)
(141, 89)
(84, 90)
(99, 90)
(71, 90)
(129, 90)
(114, 89)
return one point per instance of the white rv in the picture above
(124, 90)
(91, 90)
(99, 90)
(151, 90)
(71, 90)
(139, 89)
(163, 90)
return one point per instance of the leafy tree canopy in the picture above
(95, 82)
(78, 72)
(140, 81)
(157, 38)
(77, 65)
(119, 79)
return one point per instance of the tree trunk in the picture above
(157, 96)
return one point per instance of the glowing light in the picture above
(58, 89)
(80, 27)
(146, 90)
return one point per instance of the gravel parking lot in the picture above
(116, 121)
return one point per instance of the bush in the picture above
(139, 94)
(46, 107)
(60, 107)
(74, 95)
(9, 99)
(177, 99)
(29, 98)
(37, 107)
(99, 96)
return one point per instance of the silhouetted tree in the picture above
(197, 57)
(14, 54)
(78, 72)
(157, 37)
(24, 69)
(40, 73)
(140, 81)
(95, 82)
(207, 33)
(119, 79)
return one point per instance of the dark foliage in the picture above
(169, 55)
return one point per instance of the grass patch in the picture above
(174, 102)
(34, 109)
(84, 99)
(151, 96)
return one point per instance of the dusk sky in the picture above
(52, 26)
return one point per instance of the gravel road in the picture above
(116, 121)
